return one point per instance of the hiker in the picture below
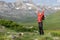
(40, 21)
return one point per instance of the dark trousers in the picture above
(41, 28)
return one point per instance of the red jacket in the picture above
(40, 16)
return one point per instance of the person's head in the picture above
(39, 11)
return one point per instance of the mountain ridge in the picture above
(21, 10)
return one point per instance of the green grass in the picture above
(52, 22)
(49, 35)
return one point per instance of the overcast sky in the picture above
(41, 2)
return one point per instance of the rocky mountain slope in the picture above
(20, 10)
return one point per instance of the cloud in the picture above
(58, 0)
(8, 0)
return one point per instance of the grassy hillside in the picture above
(52, 22)
(29, 30)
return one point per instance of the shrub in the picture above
(15, 26)
(55, 34)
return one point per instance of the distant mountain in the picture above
(21, 11)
